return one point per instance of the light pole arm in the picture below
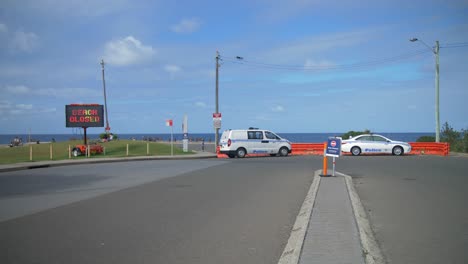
(431, 48)
(424, 43)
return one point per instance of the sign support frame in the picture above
(332, 149)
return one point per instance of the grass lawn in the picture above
(118, 148)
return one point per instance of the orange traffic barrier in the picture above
(417, 148)
(430, 148)
(219, 155)
(307, 148)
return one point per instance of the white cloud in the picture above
(127, 51)
(317, 45)
(172, 70)
(19, 89)
(211, 73)
(260, 118)
(24, 106)
(310, 64)
(200, 104)
(278, 108)
(69, 92)
(60, 8)
(3, 28)
(24, 41)
(9, 109)
(55, 92)
(4, 105)
(187, 26)
(281, 10)
(47, 110)
(19, 41)
(22, 71)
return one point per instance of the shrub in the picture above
(426, 139)
(453, 137)
(352, 133)
(104, 136)
(465, 141)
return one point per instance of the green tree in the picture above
(453, 137)
(104, 136)
(352, 133)
(426, 139)
(465, 140)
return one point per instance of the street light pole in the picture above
(216, 96)
(435, 50)
(105, 98)
(436, 53)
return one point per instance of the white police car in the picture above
(374, 144)
(238, 143)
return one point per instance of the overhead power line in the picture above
(455, 45)
(351, 66)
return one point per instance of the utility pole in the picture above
(434, 50)
(216, 96)
(436, 53)
(105, 99)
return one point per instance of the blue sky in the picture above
(308, 65)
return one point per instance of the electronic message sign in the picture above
(84, 115)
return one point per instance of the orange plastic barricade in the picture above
(307, 148)
(417, 148)
(430, 148)
(219, 155)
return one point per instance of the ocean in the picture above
(208, 137)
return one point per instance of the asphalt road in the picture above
(29, 191)
(223, 211)
(417, 205)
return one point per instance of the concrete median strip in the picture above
(299, 240)
(370, 247)
(292, 251)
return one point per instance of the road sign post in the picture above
(333, 149)
(217, 126)
(185, 140)
(170, 124)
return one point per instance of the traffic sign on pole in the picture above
(333, 147)
(333, 150)
(217, 120)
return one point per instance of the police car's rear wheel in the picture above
(397, 151)
(356, 151)
(241, 152)
(283, 152)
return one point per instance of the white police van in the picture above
(238, 143)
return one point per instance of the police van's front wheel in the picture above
(283, 152)
(241, 152)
